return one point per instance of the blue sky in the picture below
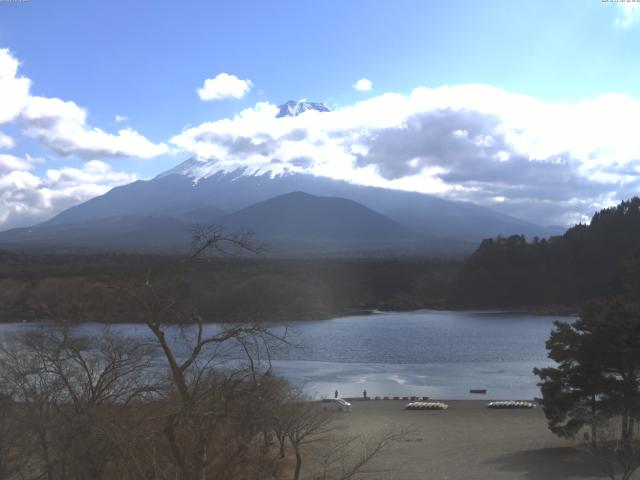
(145, 60)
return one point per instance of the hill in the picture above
(299, 215)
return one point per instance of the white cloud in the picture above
(62, 126)
(6, 142)
(223, 86)
(120, 118)
(26, 198)
(363, 85)
(14, 90)
(548, 162)
(9, 163)
(629, 14)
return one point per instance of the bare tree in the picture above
(63, 388)
(10, 436)
(306, 423)
(277, 415)
(206, 399)
(212, 239)
(345, 456)
(335, 455)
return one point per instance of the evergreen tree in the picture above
(587, 262)
(597, 376)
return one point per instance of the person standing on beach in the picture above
(336, 394)
(364, 394)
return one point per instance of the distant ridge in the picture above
(291, 225)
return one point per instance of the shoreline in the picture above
(537, 311)
(405, 398)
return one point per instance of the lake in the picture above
(440, 354)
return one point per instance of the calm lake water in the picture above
(441, 354)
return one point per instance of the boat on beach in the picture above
(511, 404)
(426, 406)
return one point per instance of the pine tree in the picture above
(597, 376)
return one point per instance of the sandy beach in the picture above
(469, 441)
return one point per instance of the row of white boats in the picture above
(511, 404)
(506, 404)
(426, 406)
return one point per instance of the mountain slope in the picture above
(163, 231)
(294, 224)
(196, 182)
(299, 215)
(121, 233)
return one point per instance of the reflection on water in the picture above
(441, 354)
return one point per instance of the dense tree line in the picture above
(223, 289)
(587, 262)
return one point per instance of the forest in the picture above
(588, 262)
(82, 288)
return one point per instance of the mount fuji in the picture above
(296, 213)
(293, 108)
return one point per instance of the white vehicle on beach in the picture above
(335, 405)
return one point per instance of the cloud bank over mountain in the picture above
(552, 162)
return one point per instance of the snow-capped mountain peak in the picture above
(199, 169)
(194, 168)
(293, 108)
